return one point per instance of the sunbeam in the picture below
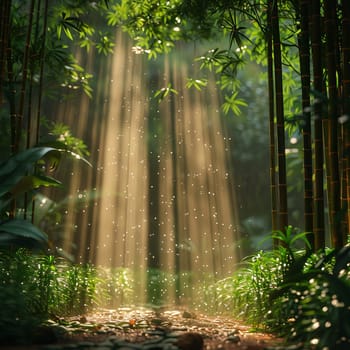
(163, 200)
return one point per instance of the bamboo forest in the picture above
(175, 174)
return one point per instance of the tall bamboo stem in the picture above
(272, 143)
(282, 177)
(332, 123)
(5, 7)
(304, 58)
(316, 46)
(26, 57)
(346, 107)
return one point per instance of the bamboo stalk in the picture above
(30, 106)
(304, 58)
(4, 32)
(332, 123)
(316, 46)
(346, 109)
(19, 119)
(41, 78)
(12, 107)
(281, 154)
(272, 143)
(42, 64)
(30, 90)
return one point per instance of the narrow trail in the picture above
(142, 329)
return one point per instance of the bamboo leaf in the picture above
(68, 33)
(196, 83)
(233, 103)
(164, 92)
(59, 31)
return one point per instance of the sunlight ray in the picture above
(164, 188)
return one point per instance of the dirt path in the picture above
(129, 329)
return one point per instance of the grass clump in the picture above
(299, 295)
(35, 287)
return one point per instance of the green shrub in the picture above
(19, 300)
(317, 301)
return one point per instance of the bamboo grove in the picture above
(304, 37)
(323, 50)
(302, 40)
(36, 57)
(37, 63)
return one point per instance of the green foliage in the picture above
(246, 293)
(105, 44)
(197, 83)
(288, 238)
(158, 283)
(214, 59)
(74, 289)
(32, 287)
(316, 302)
(304, 297)
(35, 287)
(19, 174)
(225, 64)
(116, 286)
(13, 170)
(17, 283)
(153, 24)
(76, 78)
(21, 233)
(164, 92)
(69, 25)
(62, 135)
(233, 103)
(22, 173)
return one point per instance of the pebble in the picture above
(233, 339)
(190, 341)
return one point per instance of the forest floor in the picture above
(128, 329)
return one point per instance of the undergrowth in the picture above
(302, 296)
(299, 295)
